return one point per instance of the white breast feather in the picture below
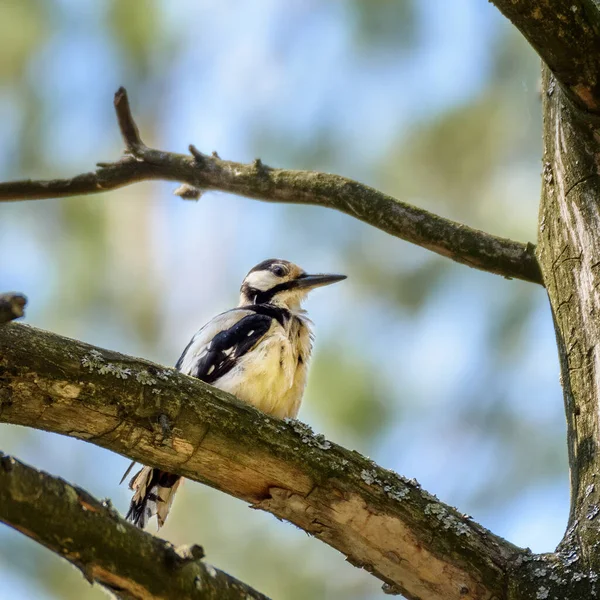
(269, 376)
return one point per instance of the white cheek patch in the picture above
(261, 280)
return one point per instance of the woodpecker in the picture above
(258, 351)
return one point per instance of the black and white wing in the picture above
(212, 353)
(218, 346)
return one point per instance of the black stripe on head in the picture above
(267, 265)
(264, 297)
(258, 296)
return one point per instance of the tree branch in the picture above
(380, 521)
(12, 306)
(566, 35)
(90, 534)
(462, 244)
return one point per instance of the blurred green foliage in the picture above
(136, 31)
(23, 30)
(382, 25)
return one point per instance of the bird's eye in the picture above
(278, 270)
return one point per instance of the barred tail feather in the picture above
(154, 491)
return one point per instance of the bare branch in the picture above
(382, 522)
(462, 244)
(12, 306)
(90, 534)
(566, 35)
(129, 130)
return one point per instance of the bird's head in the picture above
(281, 283)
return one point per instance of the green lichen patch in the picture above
(94, 362)
(447, 520)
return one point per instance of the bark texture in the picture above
(131, 564)
(462, 244)
(569, 254)
(565, 34)
(382, 522)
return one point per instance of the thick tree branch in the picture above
(566, 35)
(90, 534)
(12, 306)
(456, 241)
(380, 521)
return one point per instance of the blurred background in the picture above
(434, 370)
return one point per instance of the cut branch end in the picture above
(12, 306)
(129, 130)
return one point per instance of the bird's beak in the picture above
(314, 281)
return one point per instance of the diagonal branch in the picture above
(566, 35)
(382, 522)
(202, 172)
(90, 534)
(12, 306)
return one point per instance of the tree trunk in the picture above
(569, 255)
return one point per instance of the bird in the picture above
(258, 351)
